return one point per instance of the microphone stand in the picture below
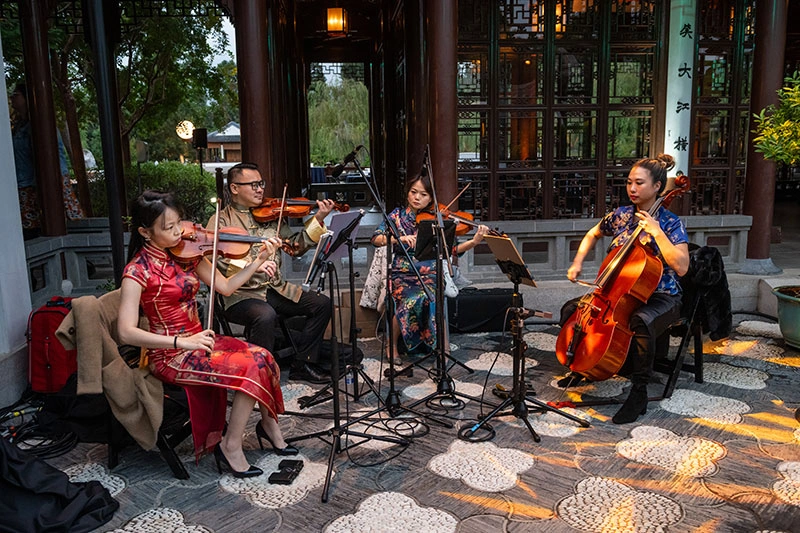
(445, 387)
(392, 402)
(338, 429)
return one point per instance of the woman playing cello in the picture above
(664, 235)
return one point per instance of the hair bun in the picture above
(667, 160)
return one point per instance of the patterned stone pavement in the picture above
(719, 456)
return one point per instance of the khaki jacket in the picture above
(256, 287)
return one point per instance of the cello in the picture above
(594, 341)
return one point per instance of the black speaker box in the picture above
(200, 138)
(475, 310)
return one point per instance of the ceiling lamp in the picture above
(337, 21)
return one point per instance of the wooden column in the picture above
(251, 61)
(41, 113)
(770, 43)
(416, 87)
(98, 14)
(442, 37)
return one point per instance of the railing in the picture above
(84, 255)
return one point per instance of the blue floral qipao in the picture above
(621, 223)
(415, 313)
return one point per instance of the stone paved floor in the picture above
(719, 456)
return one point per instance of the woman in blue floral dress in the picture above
(664, 234)
(414, 314)
(180, 351)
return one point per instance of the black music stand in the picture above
(338, 430)
(512, 265)
(344, 227)
(426, 240)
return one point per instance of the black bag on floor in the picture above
(345, 355)
(476, 310)
(40, 498)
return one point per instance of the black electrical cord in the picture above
(30, 438)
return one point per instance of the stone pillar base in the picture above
(759, 267)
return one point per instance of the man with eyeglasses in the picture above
(257, 304)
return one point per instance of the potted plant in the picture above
(778, 139)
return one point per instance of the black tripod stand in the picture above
(445, 387)
(428, 243)
(354, 370)
(338, 430)
(512, 265)
(392, 403)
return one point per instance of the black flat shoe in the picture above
(261, 433)
(407, 372)
(309, 374)
(219, 456)
(635, 405)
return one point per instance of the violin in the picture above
(270, 209)
(197, 241)
(464, 221)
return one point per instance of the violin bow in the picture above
(283, 205)
(214, 251)
(462, 191)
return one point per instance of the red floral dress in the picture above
(168, 301)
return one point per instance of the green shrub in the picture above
(778, 127)
(192, 189)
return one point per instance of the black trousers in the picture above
(647, 323)
(259, 318)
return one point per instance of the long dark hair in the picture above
(145, 210)
(658, 168)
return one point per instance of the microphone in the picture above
(338, 169)
(324, 240)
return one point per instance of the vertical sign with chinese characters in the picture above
(680, 71)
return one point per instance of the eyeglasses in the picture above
(258, 184)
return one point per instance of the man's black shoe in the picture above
(407, 372)
(310, 374)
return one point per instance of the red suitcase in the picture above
(49, 363)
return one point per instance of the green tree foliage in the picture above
(185, 181)
(164, 66)
(778, 128)
(338, 119)
(165, 74)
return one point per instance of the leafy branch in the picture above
(778, 128)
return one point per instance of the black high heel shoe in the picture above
(261, 433)
(219, 456)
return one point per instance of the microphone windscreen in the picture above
(337, 170)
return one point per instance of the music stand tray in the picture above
(509, 260)
(426, 241)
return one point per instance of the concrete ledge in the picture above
(14, 372)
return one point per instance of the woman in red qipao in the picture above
(180, 351)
